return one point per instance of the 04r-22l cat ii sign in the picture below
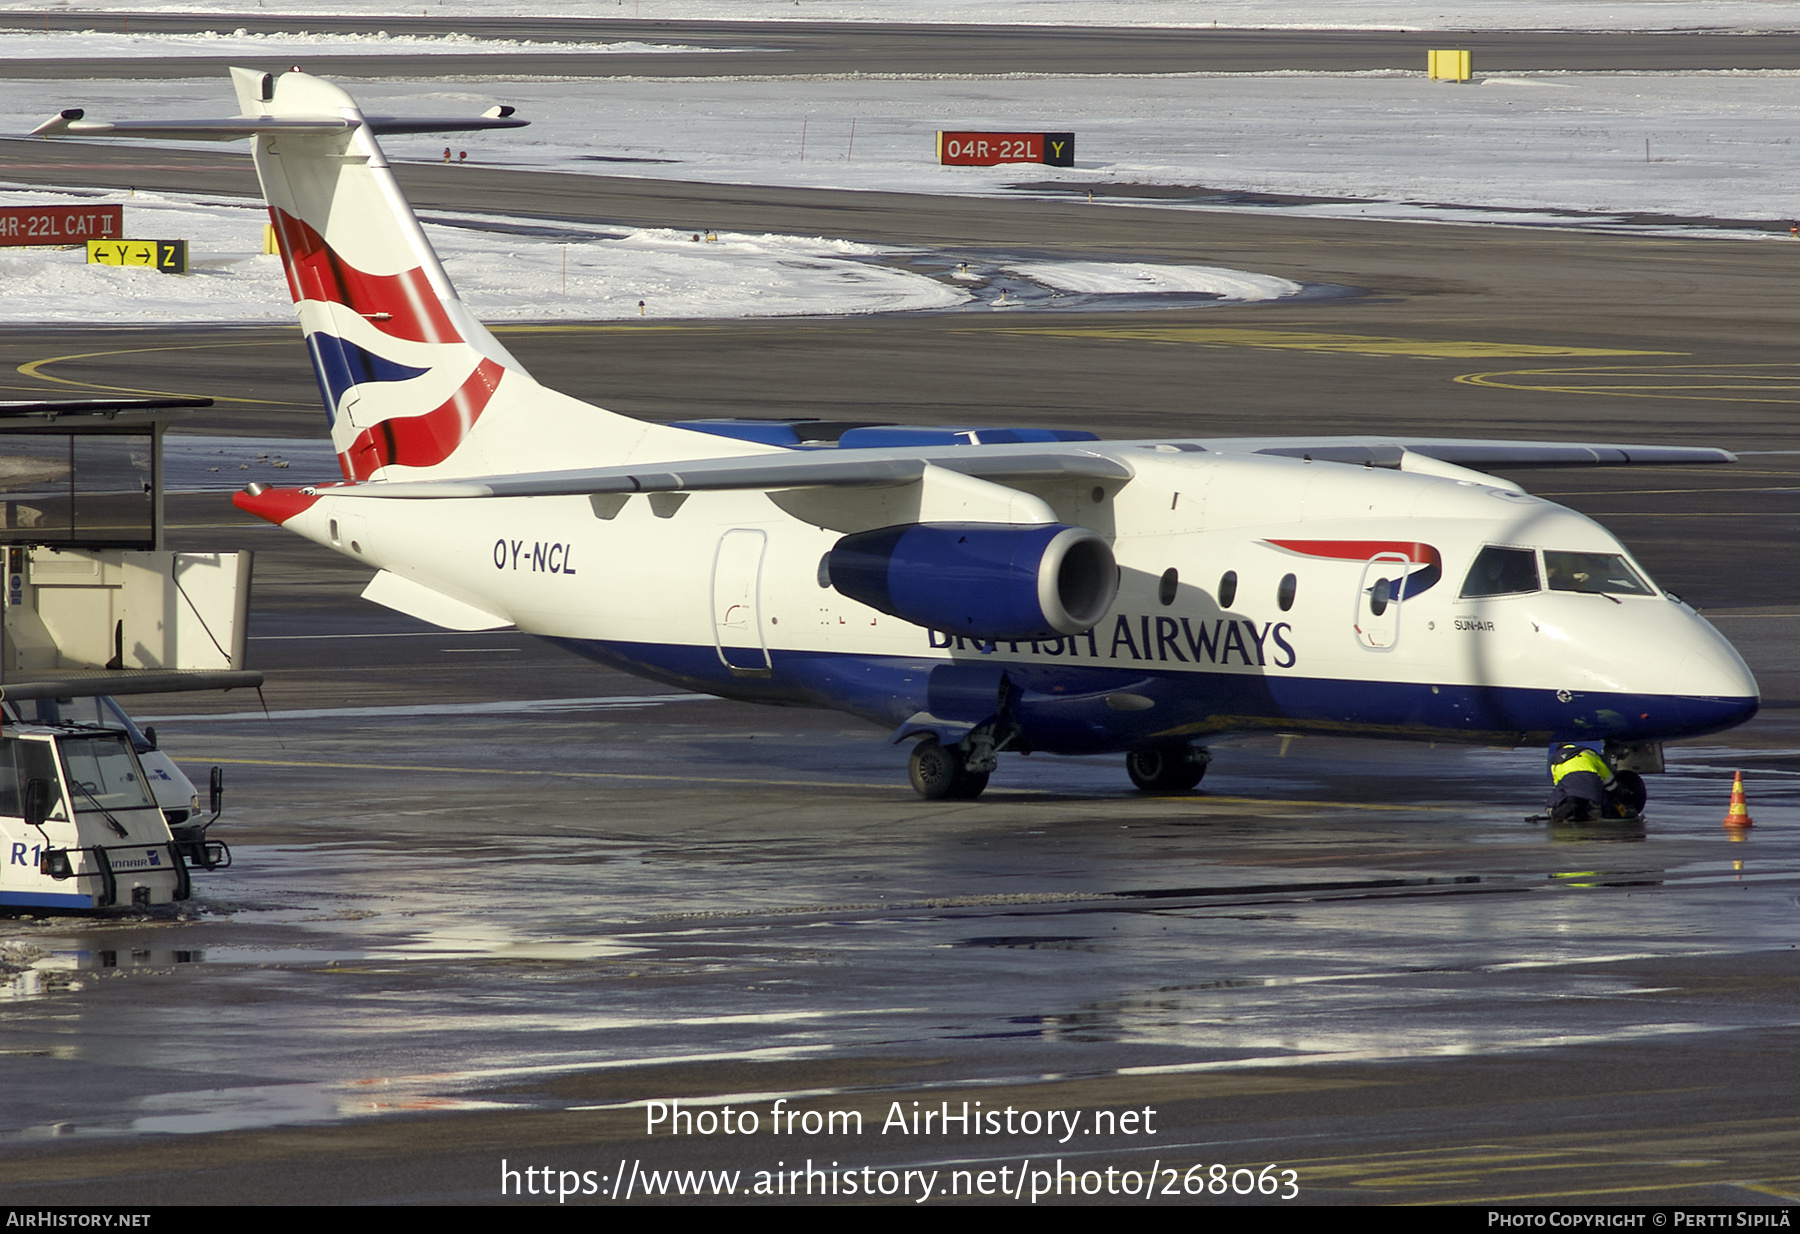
(979, 590)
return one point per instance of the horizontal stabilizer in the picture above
(230, 128)
(755, 472)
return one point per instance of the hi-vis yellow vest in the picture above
(1587, 760)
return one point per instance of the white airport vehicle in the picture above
(979, 590)
(174, 792)
(80, 827)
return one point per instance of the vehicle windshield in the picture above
(1599, 573)
(103, 774)
(1502, 572)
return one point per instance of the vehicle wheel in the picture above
(1164, 769)
(936, 771)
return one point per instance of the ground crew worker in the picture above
(1581, 785)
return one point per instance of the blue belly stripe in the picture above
(1063, 708)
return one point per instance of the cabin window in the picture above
(1380, 596)
(1596, 573)
(1228, 589)
(1502, 572)
(1284, 594)
(1165, 587)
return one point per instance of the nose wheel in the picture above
(941, 772)
(1167, 769)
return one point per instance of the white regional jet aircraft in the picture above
(980, 590)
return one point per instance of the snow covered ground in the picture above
(523, 270)
(1697, 145)
(1261, 14)
(116, 44)
(1138, 278)
(585, 273)
(1634, 150)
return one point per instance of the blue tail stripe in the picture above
(340, 364)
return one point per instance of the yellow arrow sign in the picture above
(169, 256)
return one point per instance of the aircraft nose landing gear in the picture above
(1167, 769)
(939, 772)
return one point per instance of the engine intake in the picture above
(987, 581)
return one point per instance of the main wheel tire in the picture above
(1629, 794)
(969, 785)
(936, 771)
(1164, 769)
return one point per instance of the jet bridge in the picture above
(94, 605)
(93, 601)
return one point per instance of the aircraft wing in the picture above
(810, 469)
(827, 468)
(1483, 455)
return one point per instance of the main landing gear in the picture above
(940, 771)
(960, 772)
(1167, 769)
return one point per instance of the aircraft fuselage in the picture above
(1255, 592)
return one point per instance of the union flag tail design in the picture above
(405, 371)
(414, 387)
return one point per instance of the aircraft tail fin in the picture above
(404, 369)
(414, 387)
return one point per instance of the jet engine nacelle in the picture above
(987, 581)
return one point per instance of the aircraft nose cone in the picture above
(1715, 713)
(1715, 688)
(1709, 673)
(1688, 677)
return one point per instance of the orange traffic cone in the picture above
(1739, 814)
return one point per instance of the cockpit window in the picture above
(1502, 572)
(1602, 573)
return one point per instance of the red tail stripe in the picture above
(423, 441)
(402, 305)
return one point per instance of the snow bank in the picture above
(1138, 278)
(118, 45)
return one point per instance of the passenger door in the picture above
(1378, 601)
(737, 601)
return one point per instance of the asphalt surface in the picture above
(489, 900)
